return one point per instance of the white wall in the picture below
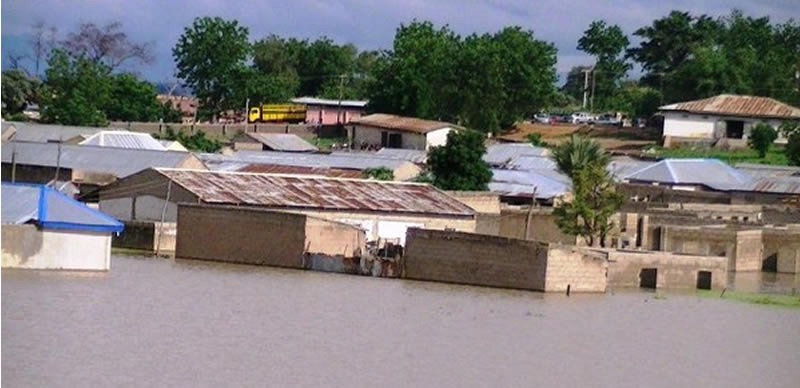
(25, 246)
(146, 208)
(438, 137)
(370, 135)
(707, 126)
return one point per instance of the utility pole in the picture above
(58, 164)
(341, 94)
(247, 111)
(594, 78)
(585, 86)
(14, 159)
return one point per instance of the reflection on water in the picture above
(765, 282)
(153, 322)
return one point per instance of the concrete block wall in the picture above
(673, 271)
(333, 238)
(240, 235)
(542, 226)
(482, 202)
(743, 248)
(577, 268)
(474, 259)
(784, 243)
(28, 247)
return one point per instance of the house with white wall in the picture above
(725, 116)
(389, 131)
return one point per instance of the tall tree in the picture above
(607, 44)
(77, 91)
(132, 100)
(18, 90)
(210, 56)
(107, 45)
(578, 153)
(459, 165)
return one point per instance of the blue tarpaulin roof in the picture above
(48, 208)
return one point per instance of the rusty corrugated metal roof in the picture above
(401, 123)
(734, 105)
(312, 192)
(300, 170)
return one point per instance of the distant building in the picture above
(44, 229)
(186, 105)
(724, 116)
(47, 133)
(283, 142)
(383, 209)
(86, 166)
(389, 131)
(321, 111)
(124, 139)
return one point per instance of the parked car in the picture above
(608, 119)
(582, 118)
(543, 118)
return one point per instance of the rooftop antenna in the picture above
(14, 158)
(58, 160)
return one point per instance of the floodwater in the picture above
(157, 322)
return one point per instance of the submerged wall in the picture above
(26, 246)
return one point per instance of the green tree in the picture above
(132, 100)
(18, 90)
(76, 93)
(380, 173)
(578, 153)
(195, 142)
(459, 165)
(607, 44)
(169, 114)
(210, 56)
(791, 130)
(594, 203)
(761, 138)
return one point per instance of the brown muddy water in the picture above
(156, 322)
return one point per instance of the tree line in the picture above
(482, 81)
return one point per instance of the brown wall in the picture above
(743, 248)
(542, 226)
(240, 235)
(475, 259)
(34, 174)
(218, 131)
(332, 238)
(674, 271)
(483, 260)
(146, 236)
(784, 244)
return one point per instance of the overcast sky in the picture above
(369, 24)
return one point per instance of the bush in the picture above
(536, 140)
(761, 139)
(791, 130)
(380, 173)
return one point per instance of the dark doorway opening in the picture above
(734, 129)
(384, 139)
(648, 277)
(395, 140)
(770, 264)
(704, 280)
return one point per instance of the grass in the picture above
(775, 156)
(789, 301)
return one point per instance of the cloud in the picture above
(366, 23)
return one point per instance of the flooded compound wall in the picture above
(743, 248)
(650, 269)
(483, 260)
(147, 236)
(262, 237)
(781, 249)
(26, 246)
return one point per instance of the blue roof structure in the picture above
(712, 173)
(49, 209)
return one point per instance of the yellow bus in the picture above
(277, 113)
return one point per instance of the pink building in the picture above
(331, 112)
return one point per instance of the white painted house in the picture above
(724, 116)
(389, 131)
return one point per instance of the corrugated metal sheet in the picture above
(124, 139)
(24, 203)
(307, 192)
(118, 161)
(529, 163)
(733, 105)
(352, 161)
(499, 155)
(523, 183)
(774, 185)
(401, 123)
(298, 170)
(322, 101)
(42, 133)
(709, 172)
(768, 171)
(620, 169)
(413, 156)
(286, 142)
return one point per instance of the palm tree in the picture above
(577, 153)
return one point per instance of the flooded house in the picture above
(383, 209)
(44, 229)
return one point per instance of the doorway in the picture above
(703, 280)
(648, 278)
(734, 129)
(770, 264)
